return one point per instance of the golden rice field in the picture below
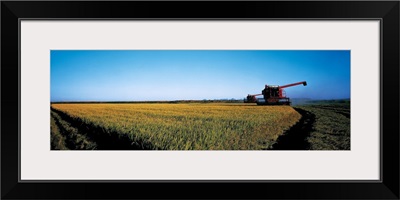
(183, 126)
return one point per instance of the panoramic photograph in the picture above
(200, 100)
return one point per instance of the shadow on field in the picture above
(104, 139)
(296, 137)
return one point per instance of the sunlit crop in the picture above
(183, 126)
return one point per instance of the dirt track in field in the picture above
(296, 137)
(103, 140)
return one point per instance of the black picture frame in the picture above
(386, 11)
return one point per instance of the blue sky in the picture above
(139, 75)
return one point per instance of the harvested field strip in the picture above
(331, 130)
(102, 139)
(57, 139)
(341, 109)
(65, 136)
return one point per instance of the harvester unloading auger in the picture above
(273, 95)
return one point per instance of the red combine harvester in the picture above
(273, 95)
